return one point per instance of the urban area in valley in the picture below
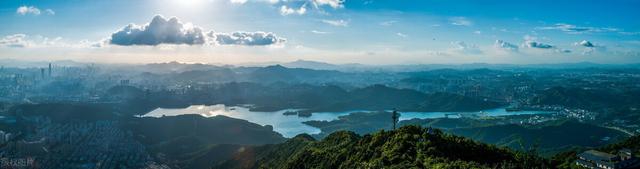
(81, 115)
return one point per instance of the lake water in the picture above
(292, 125)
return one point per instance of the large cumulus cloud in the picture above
(158, 31)
(171, 31)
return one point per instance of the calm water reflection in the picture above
(290, 126)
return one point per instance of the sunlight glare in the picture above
(189, 3)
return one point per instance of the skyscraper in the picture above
(42, 73)
(49, 69)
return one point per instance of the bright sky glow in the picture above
(336, 31)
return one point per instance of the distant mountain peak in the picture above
(311, 65)
(275, 67)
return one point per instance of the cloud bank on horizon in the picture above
(338, 31)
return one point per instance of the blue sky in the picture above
(335, 31)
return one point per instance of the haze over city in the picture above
(322, 84)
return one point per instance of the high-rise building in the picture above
(49, 69)
(42, 73)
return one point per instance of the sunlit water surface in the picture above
(292, 125)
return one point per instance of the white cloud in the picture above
(51, 41)
(14, 41)
(159, 31)
(24, 10)
(284, 10)
(531, 42)
(402, 35)
(388, 23)
(319, 32)
(573, 29)
(171, 31)
(38, 41)
(340, 22)
(630, 33)
(50, 12)
(460, 21)
(332, 3)
(500, 44)
(461, 47)
(538, 45)
(585, 43)
(238, 1)
(590, 47)
(32, 10)
(246, 38)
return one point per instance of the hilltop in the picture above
(406, 147)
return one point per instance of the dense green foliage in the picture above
(360, 123)
(212, 130)
(407, 147)
(449, 123)
(632, 143)
(194, 141)
(548, 139)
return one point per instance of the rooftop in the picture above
(597, 155)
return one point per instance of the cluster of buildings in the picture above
(52, 83)
(5, 137)
(593, 159)
(564, 112)
(99, 144)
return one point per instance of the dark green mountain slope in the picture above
(549, 139)
(407, 147)
(194, 141)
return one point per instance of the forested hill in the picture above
(406, 147)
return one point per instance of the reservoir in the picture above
(292, 125)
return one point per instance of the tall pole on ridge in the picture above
(395, 116)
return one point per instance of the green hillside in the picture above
(549, 139)
(407, 147)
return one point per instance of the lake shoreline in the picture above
(289, 126)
